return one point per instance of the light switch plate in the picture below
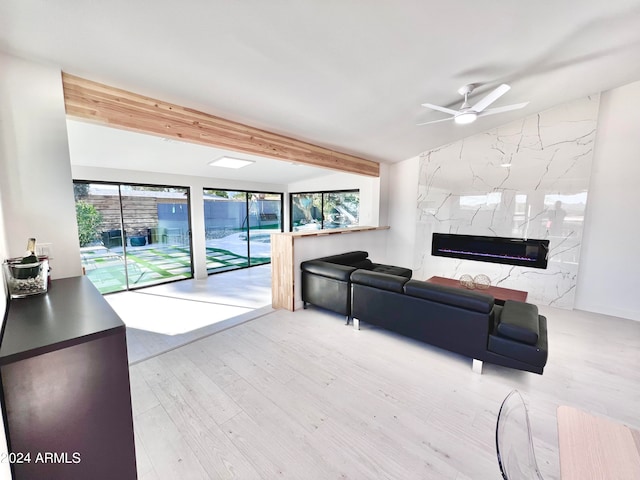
(45, 249)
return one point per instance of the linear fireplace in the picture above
(510, 251)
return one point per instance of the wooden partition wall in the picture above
(289, 249)
(88, 100)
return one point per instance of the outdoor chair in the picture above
(112, 238)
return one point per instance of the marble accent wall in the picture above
(526, 179)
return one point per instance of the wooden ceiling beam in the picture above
(98, 103)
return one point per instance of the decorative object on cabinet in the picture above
(481, 281)
(467, 281)
(28, 279)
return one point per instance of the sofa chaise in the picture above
(462, 321)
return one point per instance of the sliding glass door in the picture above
(133, 236)
(156, 220)
(225, 223)
(265, 218)
(99, 218)
(238, 226)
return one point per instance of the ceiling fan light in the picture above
(465, 118)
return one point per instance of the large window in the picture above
(133, 236)
(238, 226)
(319, 210)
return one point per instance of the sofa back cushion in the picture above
(457, 297)
(519, 321)
(391, 270)
(349, 258)
(383, 281)
(365, 264)
(327, 269)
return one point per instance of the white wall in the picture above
(5, 472)
(403, 191)
(369, 192)
(309, 247)
(609, 273)
(35, 174)
(3, 255)
(36, 194)
(505, 182)
(607, 278)
(383, 194)
(196, 184)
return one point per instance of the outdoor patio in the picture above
(157, 263)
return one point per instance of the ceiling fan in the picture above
(468, 114)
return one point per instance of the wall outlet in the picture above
(45, 249)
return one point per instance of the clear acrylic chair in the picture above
(514, 443)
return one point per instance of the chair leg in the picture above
(348, 319)
(356, 324)
(304, 305)
(477, 366)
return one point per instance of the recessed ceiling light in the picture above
(228, 162)
(505, 165)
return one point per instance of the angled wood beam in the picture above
(98, 103)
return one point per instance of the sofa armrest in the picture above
(519, 321)
(326, 269)
(535, 355)
(379, 280)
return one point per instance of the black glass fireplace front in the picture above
(510, 251)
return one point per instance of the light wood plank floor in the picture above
(302, 396)
(164, 317)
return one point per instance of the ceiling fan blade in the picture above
(506, 108)
(436, 121)
(440, 109)
(492, 97)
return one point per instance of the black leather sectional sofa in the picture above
(462, 321)
(326, 281)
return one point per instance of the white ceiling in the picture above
(94, 145)
(348, 75)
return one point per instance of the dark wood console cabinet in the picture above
(66, 397)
